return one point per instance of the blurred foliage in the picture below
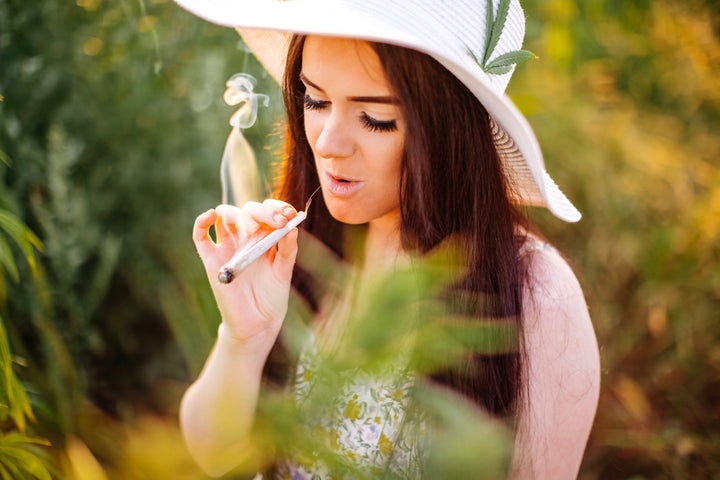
(452, 436)
(625, 101)
(111, 133)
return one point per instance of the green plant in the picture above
(25, 239)
(20, 456)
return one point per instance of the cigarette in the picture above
(248, 254)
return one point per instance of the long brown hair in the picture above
(452, 186)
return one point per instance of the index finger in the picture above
(274, 214)
(230, 223)
(287, 209)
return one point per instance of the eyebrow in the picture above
(387, 99)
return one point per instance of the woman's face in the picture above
(355, 129)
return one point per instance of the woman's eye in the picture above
(368, 122)
(378, 125)
(312, 104)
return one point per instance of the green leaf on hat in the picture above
(494, 27)
(503, 63)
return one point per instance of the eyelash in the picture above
(378, 125)
(311, 104)
(368, 122)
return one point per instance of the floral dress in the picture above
(367, 425)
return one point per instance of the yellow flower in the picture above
(352, 410)
(385, 445)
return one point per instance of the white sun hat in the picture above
(478, 42)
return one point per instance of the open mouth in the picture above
(341, 185)
(337, 178)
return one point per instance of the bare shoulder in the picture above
(553, 300)
(551, 277)
(563, 370)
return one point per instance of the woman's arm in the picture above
(218, 409)
(563, 368)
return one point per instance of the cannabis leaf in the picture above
(493, 29)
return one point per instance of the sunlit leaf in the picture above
(84, 464)
(7, 260)
(23, 237)
(12, 394)
(509, 59)
(17, 457)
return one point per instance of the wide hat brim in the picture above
(266, 27)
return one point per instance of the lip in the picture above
(341, 186)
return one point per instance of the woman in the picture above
(414, 148)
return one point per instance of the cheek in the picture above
(393, 153)
(388, 162)
(312, 129)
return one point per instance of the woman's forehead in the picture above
(343, 63)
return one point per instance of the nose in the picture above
(335, 138)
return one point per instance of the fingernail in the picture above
(288, 211)
(279, 219)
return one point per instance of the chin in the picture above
(348, 213)
(348, 217)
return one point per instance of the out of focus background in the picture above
(112, 126)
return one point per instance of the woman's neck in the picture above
(383, 246)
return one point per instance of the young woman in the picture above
(413, 148)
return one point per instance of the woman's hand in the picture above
(254, 304)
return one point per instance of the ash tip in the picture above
(226, 275)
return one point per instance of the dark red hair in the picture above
(452, 187)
